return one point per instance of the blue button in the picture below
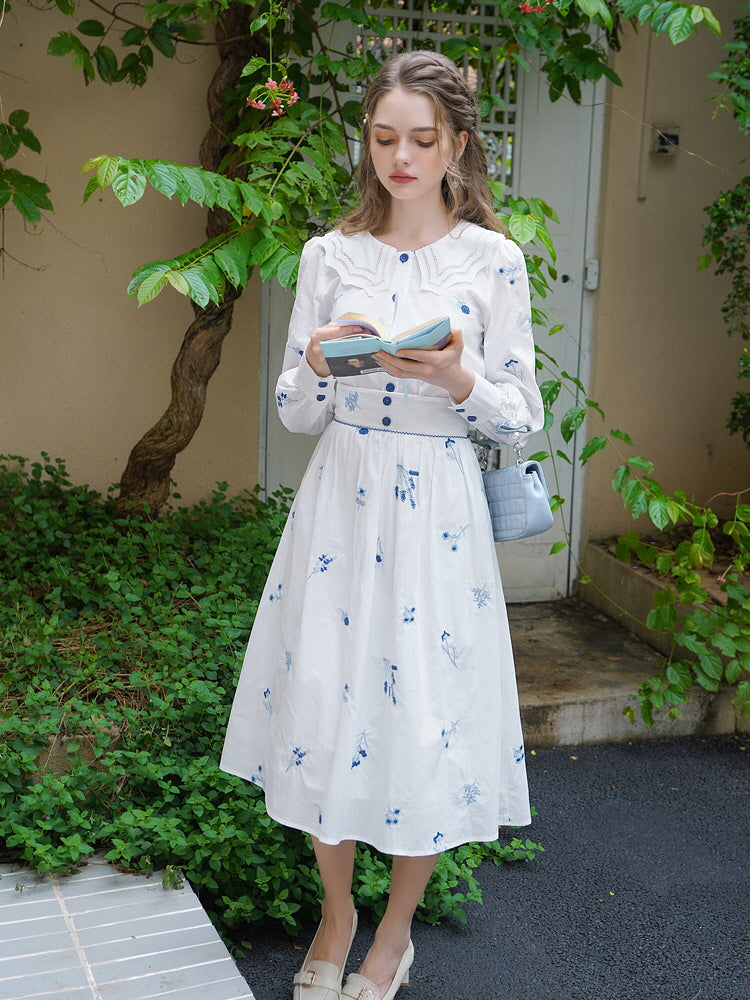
(390, 387)
(320, 398)
(387, 400)
(364, 430)
(460, 409)
(323, 385)
(404, 257)
(386, 421)
(472, 419)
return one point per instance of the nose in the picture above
(401, 154)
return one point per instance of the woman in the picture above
(377, 701)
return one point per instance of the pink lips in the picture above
(401, 178)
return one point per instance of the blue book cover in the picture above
(352, 355)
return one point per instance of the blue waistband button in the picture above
(387, 400)
(386, 421)
(390, 387)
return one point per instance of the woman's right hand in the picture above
(314, 352)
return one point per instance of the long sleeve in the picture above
(505, 404)
(305, 400)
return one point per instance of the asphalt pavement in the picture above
(642, 893)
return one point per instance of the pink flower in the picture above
(256, 104)
(271, 84)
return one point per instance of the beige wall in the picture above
(84, 372)
(664, 368)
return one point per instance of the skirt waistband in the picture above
(390, 411)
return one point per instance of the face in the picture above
(407, 158)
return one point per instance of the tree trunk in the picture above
(147, 476)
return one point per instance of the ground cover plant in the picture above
(122, 641)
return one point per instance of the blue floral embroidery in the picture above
(344, 616)
(360, 749)
(406, 486)
(361, 497)
(267, 701)
(391, 817)
(288, 660)
(280, 399)
(351, 401)
(379, 550)
(448, 732)
(320, 472)
(324, 562)
(296, 757)
(511, 273)
(276, 595)
(518, 754)
(452, 454)
(345, 693)
(514, 367)
(455, 539)
(258, 778)
(389, 684)
(449, 648)
(407, 615)
(320, 814)
(471, 793)
(482, 596)
(462, 305)
(438, 839)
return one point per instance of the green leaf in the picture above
(522, 228)
(150, 287)
(165, 177)
(129, 184)
(199, 290)
(61, 44)
(91, 28)
(106, 171)
(591, 448)
(594, 8)
(177, 280)
(26, 207)
(254, 65)
(572, 421)
(558, 547)
(133, 36)
(10, 142)
(658, 511)
(680, 25)
(106, 62)
(18, 119)
(286, 274)
(5, 190)
(232, 260)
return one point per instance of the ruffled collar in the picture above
(454, 258)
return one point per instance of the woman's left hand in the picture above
(443, 368)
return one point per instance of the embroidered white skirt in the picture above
(377, 700)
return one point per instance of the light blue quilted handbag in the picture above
(518, 500)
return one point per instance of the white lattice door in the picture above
(538, 149)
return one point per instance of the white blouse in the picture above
(474, 275)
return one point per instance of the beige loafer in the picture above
(358, 987)
(318, 980)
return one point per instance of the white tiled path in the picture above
(101, 935)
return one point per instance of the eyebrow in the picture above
(390, 128)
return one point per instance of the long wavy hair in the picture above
(465, 189)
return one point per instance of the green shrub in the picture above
(125, 639)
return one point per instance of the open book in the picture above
(353, 354)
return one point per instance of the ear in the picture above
(461, 139)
